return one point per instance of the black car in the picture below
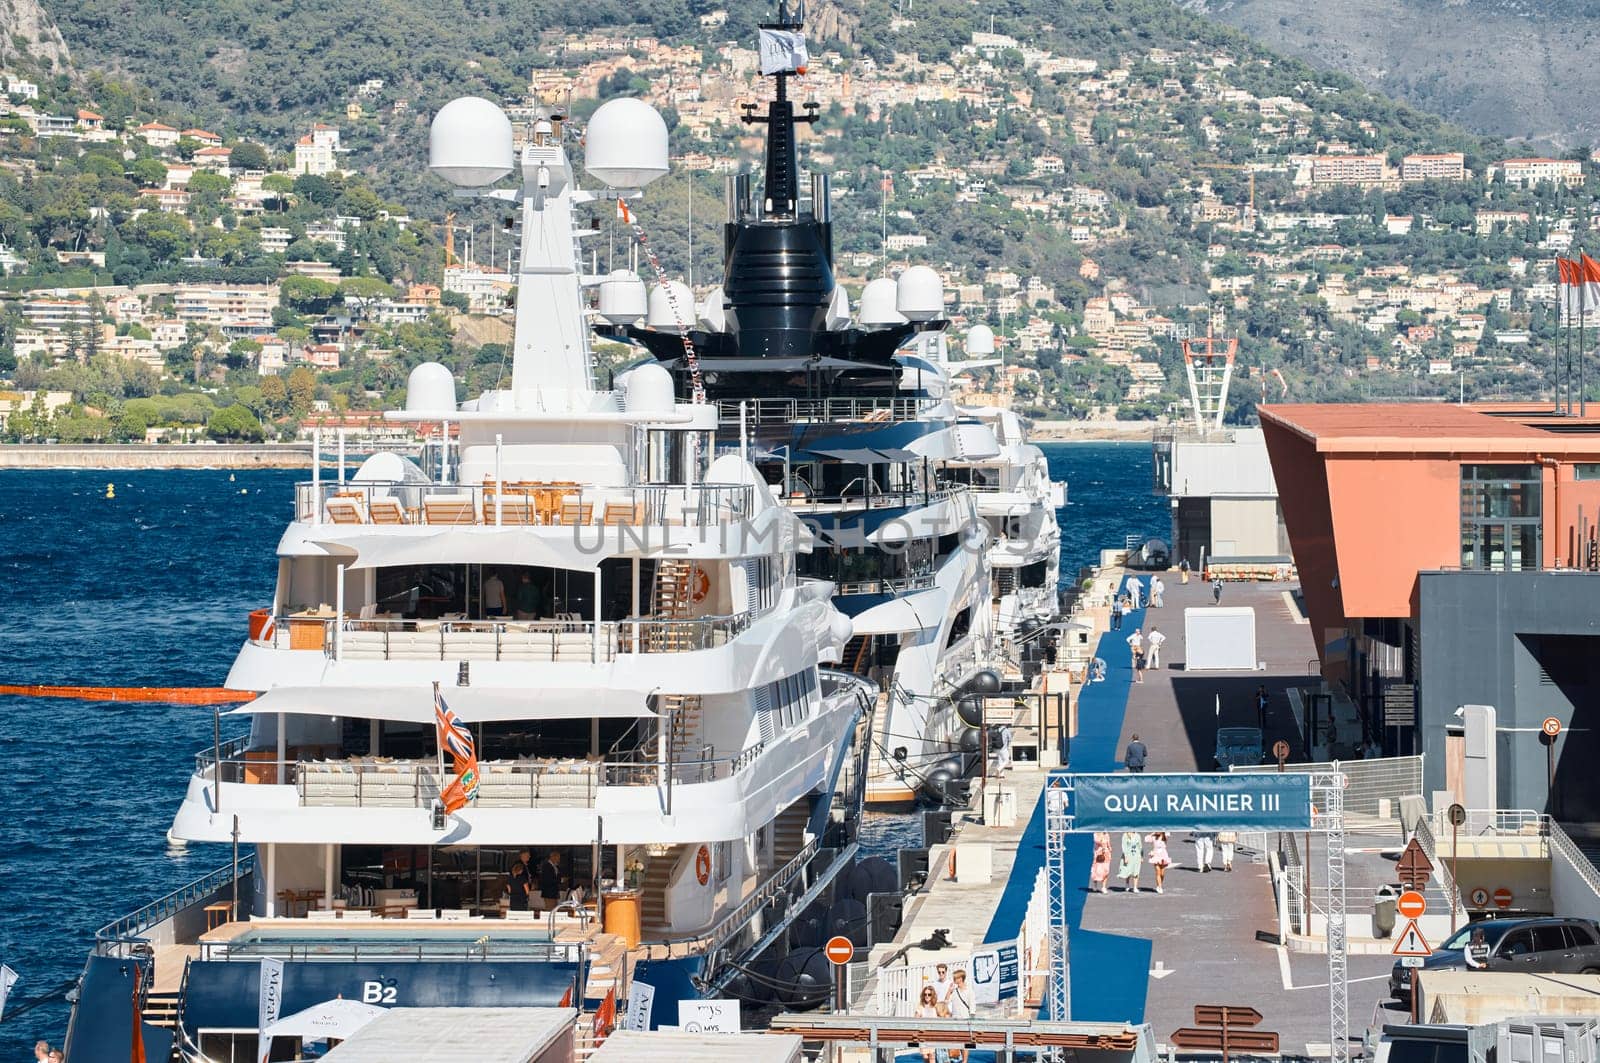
(1550, 945)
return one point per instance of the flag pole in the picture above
(438, 741)
(1583, 266)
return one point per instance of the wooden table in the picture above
(217, 914)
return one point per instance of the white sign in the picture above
(783, 52)
(641, 999)
(708, 1016)
(1411, 942)
(986, 976)
(1412, 961)
(270, 1001)
(8, 978)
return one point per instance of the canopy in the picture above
(414, 704)
(470, 545)
(338, 1018)
(867, 455)
(913, 612)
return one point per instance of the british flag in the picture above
(456, 737)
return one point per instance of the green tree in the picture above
(148, 172)
(248, 155)
(274, 395)
(235, 422)
(307, 295)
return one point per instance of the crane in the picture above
(449, 239)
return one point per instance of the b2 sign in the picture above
(1204, 802)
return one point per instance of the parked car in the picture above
(1238, 745)
(1545, 945)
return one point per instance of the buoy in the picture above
(230, 477)
(244, 490)
(111, 490)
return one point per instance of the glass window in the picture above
(1519, 943)
(1582, 936)
(1500, 517)
(1549, 938)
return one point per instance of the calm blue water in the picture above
(152, 589)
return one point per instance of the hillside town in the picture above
(1095, 214)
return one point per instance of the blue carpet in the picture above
(1109, 972)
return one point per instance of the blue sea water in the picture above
(152, 588)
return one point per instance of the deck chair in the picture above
(622, 514)
(515, 508)
(577, 512)
(449, 509)
(386, 511)
(347, 508)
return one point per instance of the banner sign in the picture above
(270, 1001)
(641, 1000)
(996, 973)
(1201, 802)
(783, 52)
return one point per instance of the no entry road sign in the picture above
(1411, 904)
(839, 951)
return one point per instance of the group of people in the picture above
(43, 1053)
(522, 600)
(1133, 857)
(536, 888)
(946, 997)
(1134, 596)
(1142, 657)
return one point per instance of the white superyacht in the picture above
(607, 603)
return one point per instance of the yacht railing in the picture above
(855, 497)
(895, 585)
(377, 782)
(411, 639)
(788, 411)
(118, 938)
(391, 943)
(521, 504)
(732, 924)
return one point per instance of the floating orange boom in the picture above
(167, 695)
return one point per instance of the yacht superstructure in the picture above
(852, 422)
(616, 615)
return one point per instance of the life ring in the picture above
(702, 585)
(702, 865)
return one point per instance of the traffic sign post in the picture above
(1502, 898)
(1549, 731)
(1411, 905)
(1480, 897)
(1414, 866)
(840, 950)
(1411, 942)
(1280, 753)
(1458, 815)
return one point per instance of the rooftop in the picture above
(1434, 428)
(497, 1035)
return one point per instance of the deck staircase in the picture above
(657, 878)
(856, 654)
(671, 598)
(163, 1008)
(688, 724)
(789, 832)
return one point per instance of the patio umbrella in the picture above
(338, 1018)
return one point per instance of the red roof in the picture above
(214, 152)
(201, 134)
(1410, 428)
(155, 127)
(88, 116)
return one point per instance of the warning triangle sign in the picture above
(1411, 942)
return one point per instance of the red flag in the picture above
(136, 1049)
(1590, 270)
(1567, 288)
(566, 998)
(605, 1016)
(624, 213)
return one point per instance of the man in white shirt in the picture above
(1158, 592)
(494, 595)
(1135, 591)
(1157, 639)
(941, 984)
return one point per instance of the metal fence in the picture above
(1370, 781)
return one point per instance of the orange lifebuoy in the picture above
(702, 865)
(702, 585)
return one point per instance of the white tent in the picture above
(338, 1018)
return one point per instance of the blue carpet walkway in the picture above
(1109, 972)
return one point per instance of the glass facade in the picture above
(1501, 516)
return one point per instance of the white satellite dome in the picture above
(878, 304)
(625, 145)
(430, 389)
(920, 294)
(980, 341)
(469, 143)
(648, 389)
(662, 315)
(713, 312)
(623, 298)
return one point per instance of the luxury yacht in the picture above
(851, 421)
(574, 647)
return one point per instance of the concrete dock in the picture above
(1149, 957)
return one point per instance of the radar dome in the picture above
(649, 390)
(980, 341)
(920, 294)
(671, 307)
(625, 145)
(878, 304)
(623, 299)
(713, 312)
(469, 143)
(430, 389)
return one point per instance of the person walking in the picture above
(1135, 592)
(1132, 860)
(1216, 590)
(1157, 640)
(929, 1007)
(1183, 572)
(1158, 593)
(1227, 840)
(1261, 708)
(1100, 866)
(1136, 646)
(958, 1005)
(1116, 614)
(1160, 859)
(1204, 849)
(1135, 756)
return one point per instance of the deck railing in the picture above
(412, 639)
(790, 411)
(389, 942)
(521, 504)
(118, 937)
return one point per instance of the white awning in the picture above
(580, 549)
(332, 1018)
(472, 704)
